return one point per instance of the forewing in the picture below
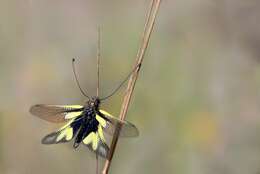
(56, 113)
(110, 122)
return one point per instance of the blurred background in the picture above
(196, 102)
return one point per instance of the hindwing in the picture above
(64, 134)
(96, 142)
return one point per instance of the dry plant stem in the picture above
(97, 163)
(131, 83)
(98, 81)
(98, 61)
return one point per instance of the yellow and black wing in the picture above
(56, 113)
(96, 142)
(64, 134)
(109, 123)
(71, 114)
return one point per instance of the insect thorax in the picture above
(89, 112)
(89, 121)
(89, 117)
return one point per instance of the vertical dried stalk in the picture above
(98, 61)
(98, 81)
(131, 84)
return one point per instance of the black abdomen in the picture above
(88, 124)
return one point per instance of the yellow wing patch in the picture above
(89, 138)
(71, 115)
(66, 133)
(69, 134)
(101, 121)
(93, 139)
(69, 106)
(106, 113)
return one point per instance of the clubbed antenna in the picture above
(76, 78)
(121, 84)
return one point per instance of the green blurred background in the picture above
(196, 102)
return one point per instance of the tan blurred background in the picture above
(196, 102)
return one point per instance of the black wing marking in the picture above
(56, 113)
(102, 149)
(110, 122)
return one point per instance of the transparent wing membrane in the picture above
(110, 122)
(56, 113)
